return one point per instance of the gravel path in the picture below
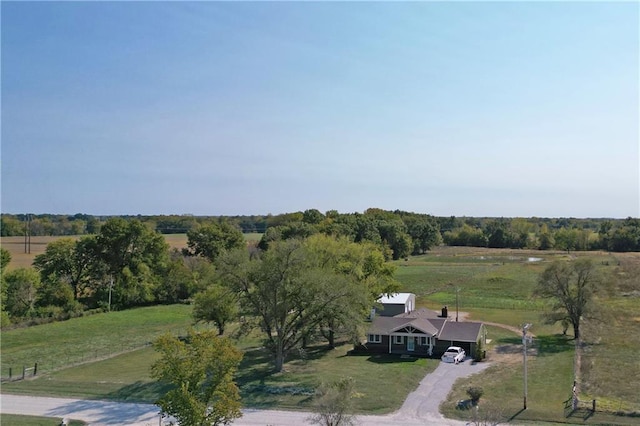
(420, 407)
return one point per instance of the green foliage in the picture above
(135, 256)
(201, 371)
(466, 236)
(295, 287)
(365, 272)
(570, 285)
(216, 304)
(5, 258)
(21, 291)
(479, 350)
(475, 393)
(211, 240)
(68, 262)
(333, 404)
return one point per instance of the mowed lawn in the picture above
(16, 420)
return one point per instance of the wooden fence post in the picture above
(24, 370)
(9, 373)
(35, 369)
(593, 407)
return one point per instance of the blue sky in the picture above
(222, 108)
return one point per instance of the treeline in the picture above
(402, 233)
(125, 264)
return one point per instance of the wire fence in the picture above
(28, 369)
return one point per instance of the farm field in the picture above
(493, 286)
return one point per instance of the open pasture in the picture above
(83, 339)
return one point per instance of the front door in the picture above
(411, 341)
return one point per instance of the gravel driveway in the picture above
(420, 407)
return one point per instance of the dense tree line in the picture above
(125, 264)
(400, 233)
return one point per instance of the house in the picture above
(419, 332)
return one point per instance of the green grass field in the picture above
(83, 339)
(495, 286)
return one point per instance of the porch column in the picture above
(390, 343)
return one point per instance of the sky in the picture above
(501, 109)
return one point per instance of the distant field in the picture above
(16, 246)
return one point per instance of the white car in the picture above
(454, 354)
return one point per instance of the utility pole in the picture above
(110, 287)
(524, 355)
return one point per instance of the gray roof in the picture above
(420, 313)
(460, 331)
(439, 327)
(388, 325)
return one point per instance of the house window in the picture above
(424, 340)
(375, 338)
(397, 340)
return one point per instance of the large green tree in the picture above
(201, 371)
(68, 261)
(286, 291)
(368, 274)
(135, 257)
(211, 240)
(570, 286)
(21, 291)
(216, 304)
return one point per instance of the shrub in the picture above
(475, 392)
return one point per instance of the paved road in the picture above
(420, 407)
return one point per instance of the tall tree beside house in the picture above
(286, 291)
(369, 275)
(201, 371)
(571, 287)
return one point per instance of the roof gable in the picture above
(421, 325)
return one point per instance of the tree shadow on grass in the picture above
(544, 345)
(142, 392)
